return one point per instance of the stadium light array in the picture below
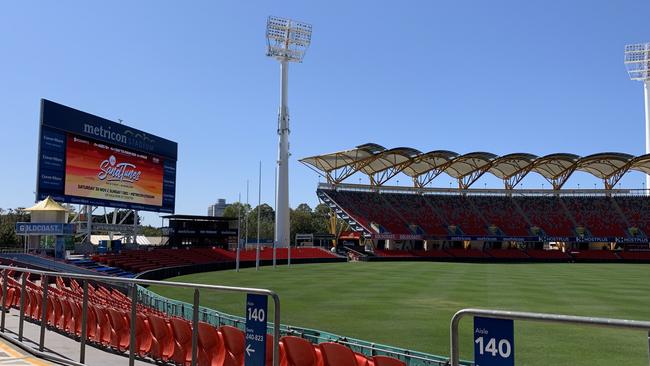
(287, 41)
(637, 63)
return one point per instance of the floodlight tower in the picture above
(287, 41)
(637, 62)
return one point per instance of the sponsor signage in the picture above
(86, 159)
(519, 239)
(397, 237)
(494, 342)
(632, 240)
(112, 227)
(223, 232)
(30, 228)
(256, 321)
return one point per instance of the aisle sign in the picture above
(256, 315)
(494, 343)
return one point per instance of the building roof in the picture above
(48, 204)
(381, 164)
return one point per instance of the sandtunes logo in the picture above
(111, 170)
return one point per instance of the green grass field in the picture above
(410, 304)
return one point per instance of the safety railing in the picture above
(132, 284)
(217, 318)
(539, 317)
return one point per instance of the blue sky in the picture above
(498, 76)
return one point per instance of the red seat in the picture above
(57, 318)
(10, 297)
(49, 315)
(104, 330)
(362, 360)
(387, 361)
(66, 320)
(76, 314)
(269, 351)
(234, 342)
(162, 345)
(299, 352)
(212, 351)
(335, 354)
(182, 331)
(91, 321)
(38, 309)
(30, 304)
(120, 329)
(143, 335)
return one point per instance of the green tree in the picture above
(301, 221)
(267, 222)
(234, 208)
(149, 230)
(8, 220)
(321, 219)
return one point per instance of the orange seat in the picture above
(162, 345)
(362, 360)
(300, 352)
(120, 329)
(335, 354)
(91, 321)
(39, 302)
(104, 330)
(16, 302)
(58, 312)
(269, 351)
(212, 351)
(8, 302)
(30, 304)
(182, 331)
(234, 341)
(143, 336)
(49, 307)
(66, 322)
(76, 314)
(387, 361)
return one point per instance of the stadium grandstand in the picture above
(465, 222)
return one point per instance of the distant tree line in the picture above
(8, 219)
(303, 219)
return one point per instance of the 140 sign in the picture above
(493, 342)
(255, 350)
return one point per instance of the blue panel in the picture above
(45, 228)
(57, 121)
(256, 318)
(85, 124)
(494, 342)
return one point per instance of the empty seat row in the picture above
(161, 338)
(451, 214)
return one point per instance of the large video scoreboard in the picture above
(86, 159)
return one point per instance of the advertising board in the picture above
(86, 159)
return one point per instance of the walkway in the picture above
(55, 344)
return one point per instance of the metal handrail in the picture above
(171, 306)
(133, 282)
(540, 317)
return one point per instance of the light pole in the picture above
(287, 41)
(637, 63)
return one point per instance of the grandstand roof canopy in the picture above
(381, 164)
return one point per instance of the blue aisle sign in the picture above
(494, 342)
(256, 315)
